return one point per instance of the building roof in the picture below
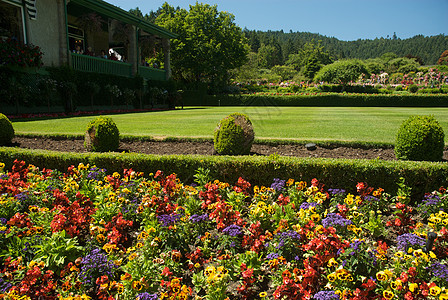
(117, 13)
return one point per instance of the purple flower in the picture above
(287, 237)
(371, 198)
(22, 197)
(198, 218)
(147, 296)
(326, 295)
(430, 202)
(409, 240)
(307, 205)
(4, 286)
(94, 265)
(168, 220)
(439, 270)
(232, 230)
(335, 192)
(355, 245)
(333, 220)
(272, 255)
(278, 184)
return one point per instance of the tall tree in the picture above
(443, 60)
(310, 59)
(209, 42)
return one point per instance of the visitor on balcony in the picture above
(78, 50)
(113, 57)
(103, 54)
(89, 51)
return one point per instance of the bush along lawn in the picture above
(90, 234)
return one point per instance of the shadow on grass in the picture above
(51, 116)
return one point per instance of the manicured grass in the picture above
(360, 124)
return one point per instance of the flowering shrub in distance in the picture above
(14, 53)
(87, 234)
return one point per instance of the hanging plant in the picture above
(149, 45)
(91, 22)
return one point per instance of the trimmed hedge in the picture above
(259, 170)
(319, 99)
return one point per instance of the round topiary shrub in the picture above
(234, 135)
(102, 135)
(6, 130)
(420, 138)
(413, 88)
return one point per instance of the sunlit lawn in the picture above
(374, 124)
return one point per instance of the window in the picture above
(75, 38)
(11, 21)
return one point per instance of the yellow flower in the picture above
(109, 248)
(382, 276)
(413, 287)
(435, 290)
(137, 285)
(443, 296)
(331, 277)
(315, 218)
(343, 274)
(263, 294)
(209, 271)
(100, 238)
(349, 200)
(399, 254)
(396, 284)
(332, 263)
(126, 277)
(388, 294)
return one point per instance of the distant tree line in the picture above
(426, 49)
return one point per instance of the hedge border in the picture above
(422, 177)
(320, 99)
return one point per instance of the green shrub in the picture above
(6, 130)
(420, 138)
(234, 135)
(102, 135)
(258, 170)
(413, 88)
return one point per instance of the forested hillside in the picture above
(428, 49)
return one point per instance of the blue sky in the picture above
(344, 19)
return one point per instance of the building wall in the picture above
(48, 31)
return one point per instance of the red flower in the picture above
(166, 272)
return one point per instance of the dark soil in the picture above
(206, 148)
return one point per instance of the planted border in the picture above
(320, 99)
(259, 170)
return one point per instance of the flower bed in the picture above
(87, 234)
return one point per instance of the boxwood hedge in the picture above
(259, 170)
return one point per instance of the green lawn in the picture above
(362, 124)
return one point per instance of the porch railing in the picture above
(100, 65)
(87, 63)
(152, 73)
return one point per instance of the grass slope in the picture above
(351, 124)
